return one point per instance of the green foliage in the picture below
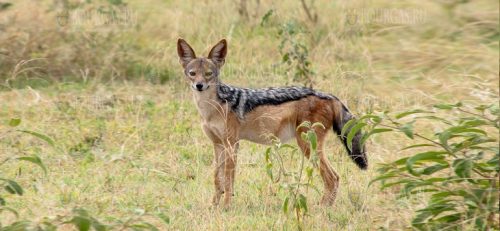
(294, 53)
(294, 181)
(10, 185)
(5, 5)
(80, 218)
(457, 167)
(266, 17)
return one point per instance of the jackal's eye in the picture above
(192, 73)
(208, 73)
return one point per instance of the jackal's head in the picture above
(202, 72)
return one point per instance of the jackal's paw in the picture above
(327, 200)
(227, 201)
(216, 199)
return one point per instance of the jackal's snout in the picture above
(199, 86)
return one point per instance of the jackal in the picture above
(230, 114)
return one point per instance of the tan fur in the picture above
(260, 125)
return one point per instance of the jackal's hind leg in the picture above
(330, 180)
(328, 175)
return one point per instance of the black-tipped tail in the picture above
(357, 153)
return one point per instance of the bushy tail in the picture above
(342, 116)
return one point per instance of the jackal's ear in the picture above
(185, 52)
(218, 53)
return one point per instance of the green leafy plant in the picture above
(83, 220)
(295, 54)
(296, 180)
(456, 168)
(8, 185)
(80, 218)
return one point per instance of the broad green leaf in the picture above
(369, 117)
(407, 113)
(41, 136)
(481, 108)
(313, 140)
(420, 220)
(463, 167)
(401, 161)
(266, 17)
(318, 124)
(347, 126)
(285, 205)
(407, 129)
(474, 122)
(309, 172)
(82, 223)
(14, 122)
(355, 129)
(382, 177)
(418, 146)
(461, 129)
(268, 154)
(431, 156)
(393, 183)
(449, 218)
(302, 202)
(380, 130)
(444, 137)
(441, 196)
(13, 187)
(305, 124)
(35, 160)
(445, 106)
(269, 170)
(434, 168)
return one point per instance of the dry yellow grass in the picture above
(149, 151)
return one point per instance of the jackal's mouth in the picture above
(200, 89)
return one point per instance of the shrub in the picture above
(456, 167)
(295, 54)
(296, 180)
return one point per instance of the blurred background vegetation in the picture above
(43, 42)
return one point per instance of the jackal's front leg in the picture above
(230, 162)
(218, 172)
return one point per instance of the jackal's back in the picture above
(244, 100)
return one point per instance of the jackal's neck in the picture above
(207, 102)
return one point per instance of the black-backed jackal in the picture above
(230, 114)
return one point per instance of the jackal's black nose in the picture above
(199, 86)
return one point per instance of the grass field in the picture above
(128, 136)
